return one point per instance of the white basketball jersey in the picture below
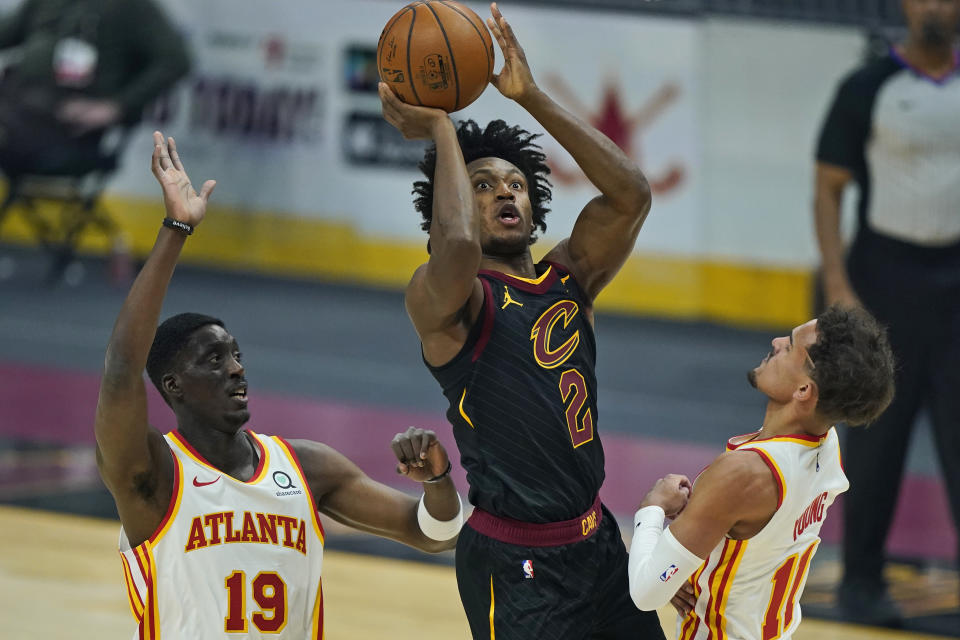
(231, 559)
(750, 589)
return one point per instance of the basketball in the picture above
(436, 53)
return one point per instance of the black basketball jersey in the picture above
(523, 399)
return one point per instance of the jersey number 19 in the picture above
(269, 591)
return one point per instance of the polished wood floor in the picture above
(60, 577)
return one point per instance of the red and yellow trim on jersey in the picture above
(295, 461)
(318, 612)
(529, 285)
(775, 470)
(150, 621)
(719, 585)
(543, 276)
(692, 621)
(136, 602)
(804, 439)
(187, 449)
(839, 454)
(139, 602)
(176, 495)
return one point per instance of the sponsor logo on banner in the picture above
(282, 113)
(368, 139)
(623, 124)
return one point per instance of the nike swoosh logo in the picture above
(197, 483)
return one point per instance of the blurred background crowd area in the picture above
(311, 235)
(718, 101)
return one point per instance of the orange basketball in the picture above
(436, 53)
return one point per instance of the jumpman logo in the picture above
(507, 299)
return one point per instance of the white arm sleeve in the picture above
(658, 563)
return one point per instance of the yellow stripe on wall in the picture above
(668, 286)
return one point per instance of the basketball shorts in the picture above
(565, 592)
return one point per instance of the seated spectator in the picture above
(83, 66)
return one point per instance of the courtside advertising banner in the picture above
(281, 108)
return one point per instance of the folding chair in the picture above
(76, 197)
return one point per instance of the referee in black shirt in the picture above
(894, 130)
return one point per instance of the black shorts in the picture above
(568, 592)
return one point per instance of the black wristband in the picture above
(442, 475)
(182, 227)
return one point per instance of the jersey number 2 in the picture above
(573, 388)
(269, 591)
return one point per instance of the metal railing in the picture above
(869, 13)
(863, 12)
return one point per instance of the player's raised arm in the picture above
(349, 496)
(440, 288)
(133, 459)
(736, 489)
(607, 228)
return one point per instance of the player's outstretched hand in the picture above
(182, 202)
(515, 81)
(670, 493)
(415, 123)
(420, 455)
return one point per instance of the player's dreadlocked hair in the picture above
(853, 366)
(172, 336)
(498, 140)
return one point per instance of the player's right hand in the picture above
(670, 493)
(420, 455)
(415, 123)
(182, 202)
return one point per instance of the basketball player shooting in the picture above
(220, 526)
(741, 545)
(511, 343)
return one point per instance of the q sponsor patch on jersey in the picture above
(283, 481)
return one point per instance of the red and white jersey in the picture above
(230, 559)
(750, 589)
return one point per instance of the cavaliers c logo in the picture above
(542, 329)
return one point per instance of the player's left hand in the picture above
(420, 454)
(684, 599)
(670, 493)
(515, 81)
